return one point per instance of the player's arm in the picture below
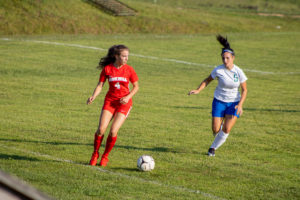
(244, 92)
(134, 90)
(203, 85)
(96, 92)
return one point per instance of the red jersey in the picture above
(118, 80)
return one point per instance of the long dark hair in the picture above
(226, 46)
(110, 57)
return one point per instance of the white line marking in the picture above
(117, 173)
(150, 57)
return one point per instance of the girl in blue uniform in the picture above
(227, 105)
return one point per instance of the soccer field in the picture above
(47, 130)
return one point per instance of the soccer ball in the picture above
(145, 163)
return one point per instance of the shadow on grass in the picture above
(246, 109)
(17, 157)
(130, 169)
(42, 142)
(154, 149)
(192, 107)
(270, 110)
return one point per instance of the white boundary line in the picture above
(117, 174)
(149, 57)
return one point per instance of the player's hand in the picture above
(193, 92)
(239, 110)
(124, 100)
(90, 100)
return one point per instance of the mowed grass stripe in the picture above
(152, 57)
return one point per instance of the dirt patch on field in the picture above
(278, 15)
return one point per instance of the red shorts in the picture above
(115, 106)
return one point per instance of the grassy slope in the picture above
(43, 93)
(289, 7)
(52, 17)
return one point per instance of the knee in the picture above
(215, 130)
(226, 130)
(113, 132)
(100, 131)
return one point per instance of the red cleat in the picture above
(94, 158)
(104, 161)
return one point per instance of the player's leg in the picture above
(105, 117)
(216, 125)
(224, 133)
(216, 128)
(219, 110)
(118, 121)
(104, 120)
(230, 117)
(229, 121)
(218, 113)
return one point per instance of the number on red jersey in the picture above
(117, 85)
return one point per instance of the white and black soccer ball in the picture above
(145, 163)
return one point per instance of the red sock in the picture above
(110, 143)
(97, 142)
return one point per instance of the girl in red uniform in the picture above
(118, 100)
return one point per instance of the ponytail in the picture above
(226, 46)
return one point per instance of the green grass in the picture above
(44, 120)
(289, 7)
(29, 17)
